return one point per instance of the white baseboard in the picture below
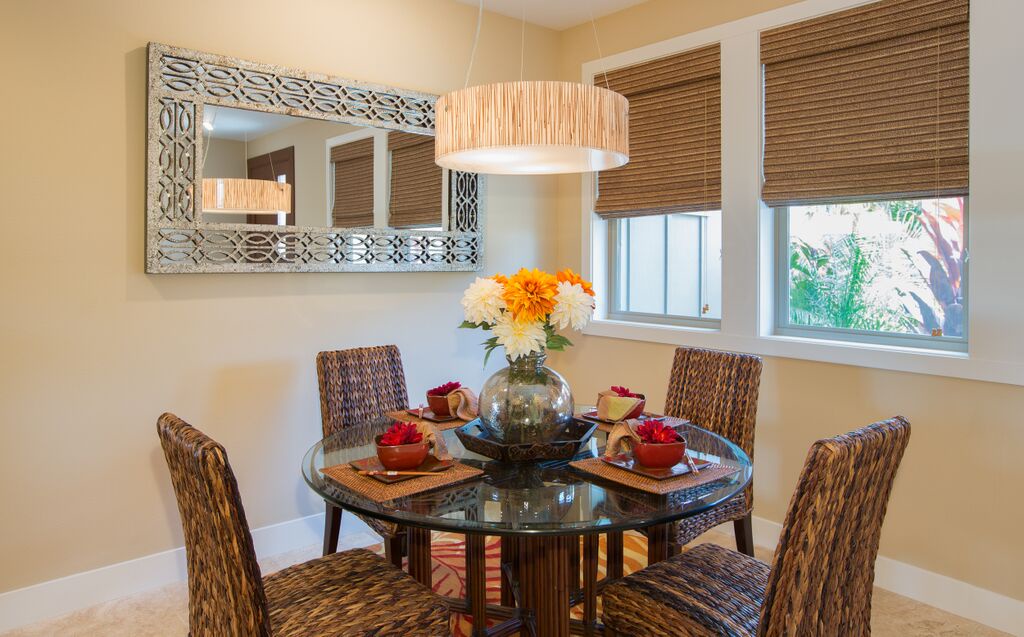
(58, 597)
(953, 596)
(61, 596)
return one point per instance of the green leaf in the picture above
(557, 342)
(469, 325)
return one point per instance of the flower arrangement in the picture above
(524, 310)
(401, 433)
(655, 432)
(444, 390)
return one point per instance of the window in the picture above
(663, 207)
(885, 271)
(865, 161)
(667, 268)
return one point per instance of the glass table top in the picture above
(547, 497)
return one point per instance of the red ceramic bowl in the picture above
(439, 405)
(639, 409)
(402, 457)
(658, 456)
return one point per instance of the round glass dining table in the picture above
(540, 510)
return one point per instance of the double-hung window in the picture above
(866, 167)
(663, 207)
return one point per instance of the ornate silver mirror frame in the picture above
(182, 82)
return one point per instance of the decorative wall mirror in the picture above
(257, 168)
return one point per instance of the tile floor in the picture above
(164, 611)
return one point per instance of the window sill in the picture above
(869, 355)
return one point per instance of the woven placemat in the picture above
(405, 416)
(597, 467)
(378, 491)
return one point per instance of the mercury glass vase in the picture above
(526, 402)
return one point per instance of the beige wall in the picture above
(93, 350)
(954, 507)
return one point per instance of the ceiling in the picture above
(239, 125)
(554, 14)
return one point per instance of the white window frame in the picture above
(665, 318)
(995, 350)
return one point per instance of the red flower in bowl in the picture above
(437, 398)
(402, 447)
(660, 446)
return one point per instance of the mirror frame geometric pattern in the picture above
(182, 82)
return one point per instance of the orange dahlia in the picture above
(570, 277)
(530, 295)
(500, 278)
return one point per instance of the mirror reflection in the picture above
(272, 169)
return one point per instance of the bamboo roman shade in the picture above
(415, 181)
(353, 184)
(868, 103)
(674, 137)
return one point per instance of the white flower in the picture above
(519, 339)
(573, 307)
(482, 301)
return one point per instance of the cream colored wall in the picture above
(93, 349)
(954, 509)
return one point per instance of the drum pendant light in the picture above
(530, 127)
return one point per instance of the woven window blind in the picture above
(353, 184)
(675, 132)
(415, 181)
(868, 103)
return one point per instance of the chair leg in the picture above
(393, 550)
(332, 528)
(744, 535)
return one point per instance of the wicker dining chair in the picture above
(718, 391)
(357, 385)
(820, 582)
(348, 593)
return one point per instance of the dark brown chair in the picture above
(357, 385)
(820, 582)
(718, 391)
(349, 593)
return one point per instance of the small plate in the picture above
(592, 415)
(627, 462)
(372, 463)
(429, 415)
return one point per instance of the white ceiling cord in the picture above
(476, 41)
(597, 41)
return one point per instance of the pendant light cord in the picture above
(597, 41)
(476, 41)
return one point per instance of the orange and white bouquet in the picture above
(524, 310)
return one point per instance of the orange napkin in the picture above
(611, 406)
(434, 438)
(621, 438)
(464, 403)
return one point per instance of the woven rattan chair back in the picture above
(717, 391)
(821, 578)
(226, 594)
(359, 384)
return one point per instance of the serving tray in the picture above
(478, 440)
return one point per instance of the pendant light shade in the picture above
(246, 196)
(531, 128)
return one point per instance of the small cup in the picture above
(402, 457)
(659, 456)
